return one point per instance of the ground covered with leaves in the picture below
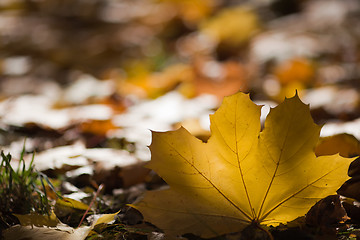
(87, 86)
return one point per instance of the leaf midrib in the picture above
(239, 162)
(276, 168)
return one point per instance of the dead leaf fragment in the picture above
(241, 175)
(326, 212)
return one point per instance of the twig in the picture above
(91, 203)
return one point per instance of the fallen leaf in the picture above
(295, 70)
(60, 232)
(67, 206)
(35, 219)
(106, 218)
(242, 175)
(345, 144)
(241, 24)
(192, 11)
(97, 127)
(49, 231)
(71, 203)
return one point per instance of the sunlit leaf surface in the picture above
(241, 175)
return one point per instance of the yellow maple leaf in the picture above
(243, 175)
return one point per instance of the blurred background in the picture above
(85, 82)
(104, 72)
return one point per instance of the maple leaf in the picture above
(242, 175)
